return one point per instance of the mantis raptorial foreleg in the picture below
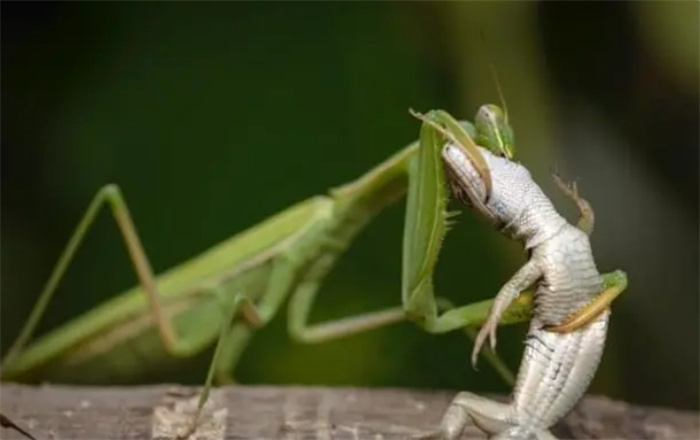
(427, 196)
(430, 199)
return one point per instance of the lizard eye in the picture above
(460, 194)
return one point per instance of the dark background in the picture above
(213, 116)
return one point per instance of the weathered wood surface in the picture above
(293, 413)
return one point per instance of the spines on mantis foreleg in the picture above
(449, 218)
(426, 225)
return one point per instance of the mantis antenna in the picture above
(494, 73)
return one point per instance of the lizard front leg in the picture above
(586, 219)
(523, 278)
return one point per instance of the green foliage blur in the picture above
(213, 116)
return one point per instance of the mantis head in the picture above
(460, 135)
(494, 132)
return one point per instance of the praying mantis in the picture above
(239, 285)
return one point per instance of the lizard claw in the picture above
(492, 337)
(478, 343)
(487, 331)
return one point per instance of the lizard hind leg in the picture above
(517, 433)
(488, 415)
(545, 435)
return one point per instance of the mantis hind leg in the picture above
(111, 196)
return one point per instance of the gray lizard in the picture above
(570, 320)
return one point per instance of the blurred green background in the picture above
(213, 116)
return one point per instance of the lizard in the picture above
(567, 332)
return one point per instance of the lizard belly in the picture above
(556, 371)
(570, 276)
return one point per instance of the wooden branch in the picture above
(292, 413)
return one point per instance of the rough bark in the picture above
(265, 412)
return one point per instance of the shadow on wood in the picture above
(293, 413)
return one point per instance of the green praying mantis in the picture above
(239, 285)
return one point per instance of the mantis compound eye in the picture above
(493, 131)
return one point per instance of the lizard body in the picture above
(557, 367)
